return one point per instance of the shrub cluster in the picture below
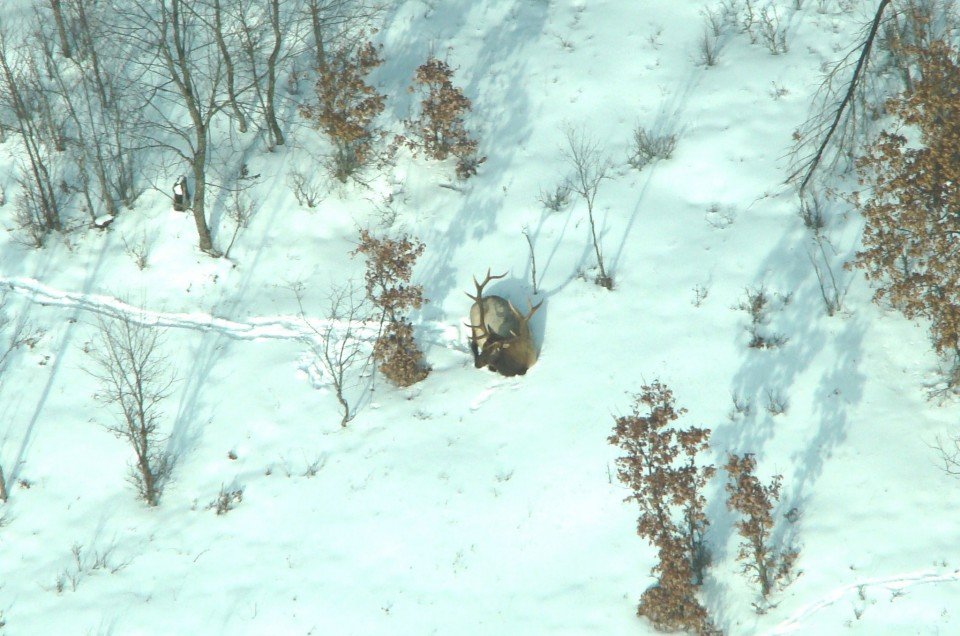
(660, 466)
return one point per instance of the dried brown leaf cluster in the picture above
(910, 239)
(754, 502)
(398, 356)
(390, 263)
(347, 107)
(659, 466)
(439, 130)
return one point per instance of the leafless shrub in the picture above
(741, 406)
(21, 334)
(949, 452)
(700, 294)
(31, 228)
(708, 48)
(756, 303)
(713, 20)
(308, 189)
(590, 168)
(387, 283)
(556, 200)
(83, 566)
(659, 466)
(240, 211)
(811, 212)
(773, 35)
(227, 500)
(311, 468)
(776, 403)
(754, 502)
(135, 378)
(830, 290)
(139, 250)
(3, 487)
(648, 147)
(340, 348)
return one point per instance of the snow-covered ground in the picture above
(471, 503)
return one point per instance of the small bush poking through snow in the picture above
(660, 468)
(756, 302)
(226, 501)
(556, 200)
(648, 147)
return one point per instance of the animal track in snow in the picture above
(891, 583)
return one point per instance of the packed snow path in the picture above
(892, 584)
(266, 327)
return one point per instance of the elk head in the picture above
(499, 334)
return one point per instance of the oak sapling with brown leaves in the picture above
(909, 238)
(347, 107)
(660, 467)
(439, 131)
(754, 502)
(390, 263)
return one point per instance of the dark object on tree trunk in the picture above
(181, 195)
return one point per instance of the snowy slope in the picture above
(471, 503)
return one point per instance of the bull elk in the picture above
(499, 334)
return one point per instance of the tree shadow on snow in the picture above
(770, 372)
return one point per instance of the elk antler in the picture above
(526, 319)
(480, 286)
(533, 310)
(482, 327)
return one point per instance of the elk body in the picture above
(499, 334)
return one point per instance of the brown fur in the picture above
(499, 334)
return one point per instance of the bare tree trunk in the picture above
(228, 66)
(270, 113)
(43, 187)
(61, 28)
(3, 487)
(810, 166)
(88, 147)
(179, 68)
(316, 25)
(199, 192)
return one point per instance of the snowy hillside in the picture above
(471, 503)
